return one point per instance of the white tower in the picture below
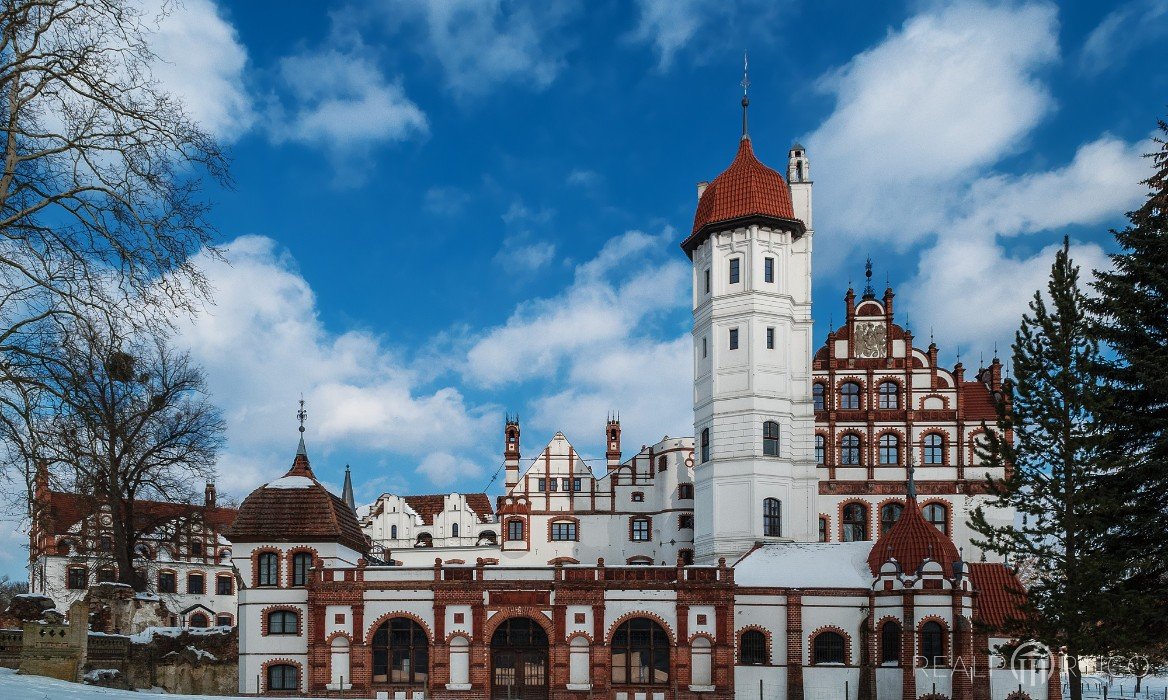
(753, 421)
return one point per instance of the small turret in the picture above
(209, 495)
(511, 451)
(799, 180)
(612, 433)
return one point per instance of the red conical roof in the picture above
(746, 189)
(910, 541)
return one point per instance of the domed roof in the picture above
(745, 190)
(912, 540)
(297, 508)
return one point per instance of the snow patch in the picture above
(806, 565)
(291, 482)
(101, 675)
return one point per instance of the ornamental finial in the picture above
(301, 414)
(745, 85)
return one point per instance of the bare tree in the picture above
(124, 420)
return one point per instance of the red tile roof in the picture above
(428, 506)
(977, 402)
(302, 510)
(747, 188)
(67, 509)
(1000, 595)
(912, 540)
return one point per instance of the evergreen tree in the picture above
(1131, 320)
(1047, 443)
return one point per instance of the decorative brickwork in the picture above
(282, 662)
(265, 615)
(830, 628)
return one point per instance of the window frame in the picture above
(820, 449)
(283, 676)
(172, 577)
(838, 648)
(219, 580)
(847, 449)
(887, 522)
(888, 449)
(929, 511)
(772, 517)
(655, 647)
(201, 578)
(301, 563)
(563, 531)
(933, 449)
(513, 525)
(770, 338)
(278, 622)
(76, 570)
(705, 447)
(888, 390)
(850, 396)
(733, 338)
(768, 270)
(770, 438)
(849, 522)
(735, 271)
(268, 576)
(752, 648)
(932, 639)
(640, 529)
(890, 642)
(416, 649)
(818, 396)
(685, 492)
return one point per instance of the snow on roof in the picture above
(291, 482)
(806, 565)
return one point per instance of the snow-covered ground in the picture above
(17, 687)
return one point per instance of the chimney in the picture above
(209, 495)
(702, 188)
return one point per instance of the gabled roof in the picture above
(68, 509)
(745, 190)
(1000, 595)
(430, 505)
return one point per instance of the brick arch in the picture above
(510, 611)
(944, 401)
(1018, 695)
(339, 633)
(580, 633)
(767, 637)
(901, 445)
(829, 628)
(282, 662)
(450, 637)
(840, 516)
(286, 608)
(563, 560)
(640, 613)
(901, 393)
(970, 445)
(946, 634)
(948, 512)
(372, 629)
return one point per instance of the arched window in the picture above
(578, 661)
(283, 622)
(454, 530)
(425, 539)
(701, 662)
(752, 648)
(640, 653)
(828, 649)
(938, 515)
(487, 537)
(301, 563)
(889, 449)
(393, 532)
(705, 453)
(772, 517)
(849, 396)
(269, 569)
(817, 396)
(770, 438)
(283, 677)
(401, 652)
(850, 450)
(890, 643)
(855, 522)
(889, 514)
(889, 394)
(820, 449)
(933, 643)
(934, 448)
(200, 620)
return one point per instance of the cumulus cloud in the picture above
(444, 469)
(523, 247)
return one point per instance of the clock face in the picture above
(106, 520)
(871, 339)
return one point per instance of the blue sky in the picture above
(444, 212)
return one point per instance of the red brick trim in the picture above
(289, 557)
(878, 653)
(579, 633)
(867, 517)
(901, 446)
(282, 662)
(945, 443)
(631, 615)
(829, 628)
(255, 567)
(224, 614)
(562, 560)
(563, 519)
(281, 608)
(945, 638)
(465, 635)
(372, 629)
(827, 530)
(704, 635)
(971, 446)
(507, 612)
(948, 513)
(766, 633)
(230, 578)
(864, 446)
(944, 401)
(339, 633)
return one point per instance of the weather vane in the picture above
(745, 85)
(868, 275)
(301, 414)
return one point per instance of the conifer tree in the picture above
(1130, 317)
(1052, 464)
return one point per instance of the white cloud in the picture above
(669, 25)
(704, 28)
(446, 201)
(581, 177)
(201, 61)
(263, 344)
(949, 93)
(524, 247)
(1128, 27)
(481, 44)
(341, 100)
(444, 469)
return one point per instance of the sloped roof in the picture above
(977, 402)
(1000, 594)
(912, 540)
(427, 506)
(745, 189)
(297, 508)
(805, 565)
(68, 509)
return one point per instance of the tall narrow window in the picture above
(733, 338)
(301, 563)
(772, 517)
(933, 643)
(889, 395)
(889, 449)
(890, 643)
(752, 648)
(770, 338)
(889, 514)
(770, 438)
(820, 448)
(938, 515)
(817, 396)
(705, 347)
(640, 653)
(855, 522)
(393, 532)
(454, 530)
(269, 566)
(850, 450)
(685, 492)
(735, 272)
(850, 396)
(707, 280)
(768, 270)
(705, 445)
(823, 530)
(934, 447)
(401, 652)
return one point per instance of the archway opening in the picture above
(519, 660)
(401, 653)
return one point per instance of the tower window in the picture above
(817, 396)
(705, 454)
(772, 518)
(850, 450)
(934, 446)
(889, 449)
(393, 532)
(707, 280)
(770, 438)
(735, 270)
(770, 338)
(705, 348)
(768, 269)
(733, 338)
(889, 395)
(820, 445)
(269, 565)
(301, 564)
(850, 396)
(454, 530)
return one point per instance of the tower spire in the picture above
(745, 97)
(301, 414)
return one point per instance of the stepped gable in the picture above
(68, 509)
(297, 508)
(428, 506)
(1000, 595)
(912, 540)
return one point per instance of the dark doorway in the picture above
(519, 660)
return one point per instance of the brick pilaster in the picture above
(794, 646)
